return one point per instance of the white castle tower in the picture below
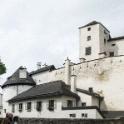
(19, 82)
(93, 41)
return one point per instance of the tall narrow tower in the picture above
(93, 41)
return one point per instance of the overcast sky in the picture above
(47, 30)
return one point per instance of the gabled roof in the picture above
(89, 93)
(116, 38)
(46, 90)
(15, 80)
(93, 23)
(46, 68)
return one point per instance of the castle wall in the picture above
(104, 75)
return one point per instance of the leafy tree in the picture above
(2, 68)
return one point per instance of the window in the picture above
(88, 38)
(83, 104)
(51, 105)
(105, 32)
(20, 107)
(28, 106)
(13, 108)
(111, 54)
(73, 115)
(84, 115)
(89, 28)
(104, 41)
(113, 44)
(88, 51)
(22, 73)
(69, 103)
(39, 106)
(4, 110)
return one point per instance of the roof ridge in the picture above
(48, 90)
(46, 68)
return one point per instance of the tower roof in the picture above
(16, 80)
(93, 23)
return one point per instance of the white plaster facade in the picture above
(9, 93)
(58, 111)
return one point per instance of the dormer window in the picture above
(88, 38)
(88, 29)
(22, 73)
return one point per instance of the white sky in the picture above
(47, 30)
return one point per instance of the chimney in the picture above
(67, 71)
(73, 83)
(38, 65)
(90, 89)
(22, 72)
(45, 65)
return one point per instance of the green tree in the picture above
(2, 68)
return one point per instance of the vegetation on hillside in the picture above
(2, 68)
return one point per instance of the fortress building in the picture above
(92, 88)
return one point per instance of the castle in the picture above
(92, 88)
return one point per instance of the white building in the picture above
(90, 88)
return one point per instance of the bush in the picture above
(2, 68)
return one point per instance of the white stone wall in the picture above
(57, 113)
(103, 35)
(89, 100)
(85, 98)
(1, 96)
(10, 92)
(1, 103)
(118, 48)
(47, 76)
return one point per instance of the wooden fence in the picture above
(69, 121)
